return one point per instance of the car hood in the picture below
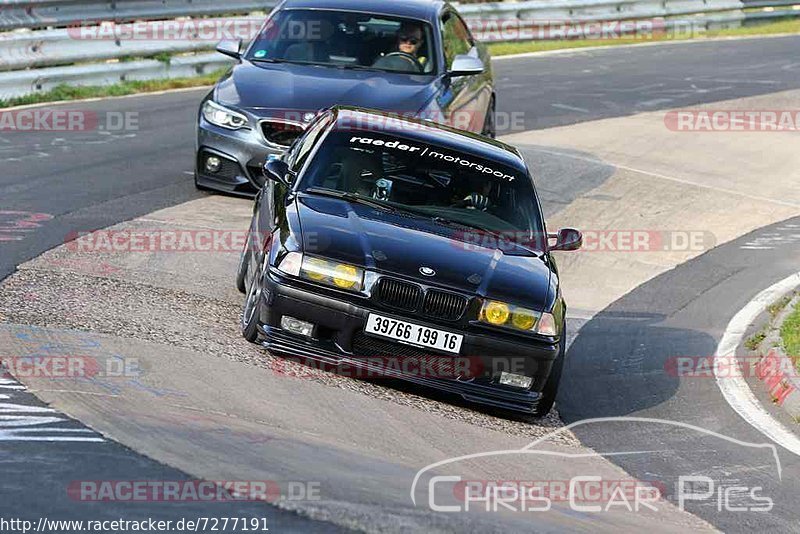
(399, 244)
(284, 86)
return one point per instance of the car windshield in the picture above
(346, 39)
(451, 187)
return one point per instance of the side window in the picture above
(455, 37)
(306, 145)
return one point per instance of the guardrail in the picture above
(64, 41)
(35, 14)
(41, 80)
(760, 10)
(560, 19)
(81, 43)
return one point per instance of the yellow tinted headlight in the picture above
(346, 276)
(501, 314)
(523, 319)
(333, 274)
(496, 313)
(315, 269)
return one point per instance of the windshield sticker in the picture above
(435, 154)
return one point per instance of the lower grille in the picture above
(370, 347)
(229, 170)
(281, 133)
(409, 360)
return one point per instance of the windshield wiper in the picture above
(266, 60)
(350, 197)
(280, 60)
(450, 222)
(345, 66)
(501, 237)
(341, 66)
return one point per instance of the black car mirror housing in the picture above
(230, 47)
(278, 170)
(567, 239)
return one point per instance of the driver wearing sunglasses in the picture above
(410, 41)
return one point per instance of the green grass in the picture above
(770, 28)
(504, 49)
(776, 307)
(790, 334)
(754, 341)
(68, 92)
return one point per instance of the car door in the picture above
(466, 99)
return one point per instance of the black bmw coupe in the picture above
(409, 249)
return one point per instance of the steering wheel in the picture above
(400, 59)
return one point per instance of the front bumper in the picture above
(340, 325)
(243, 153)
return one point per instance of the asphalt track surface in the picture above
(681, 313)
(90, 180)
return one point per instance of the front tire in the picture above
(252, 311)
(244, 263)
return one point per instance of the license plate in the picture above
(413, 334)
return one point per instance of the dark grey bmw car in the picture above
(415, 58)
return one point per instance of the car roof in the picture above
(424, 131)
(418, 9)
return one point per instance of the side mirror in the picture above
(278, 171)
(230, 47)
(567, 239)
(466, 65)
